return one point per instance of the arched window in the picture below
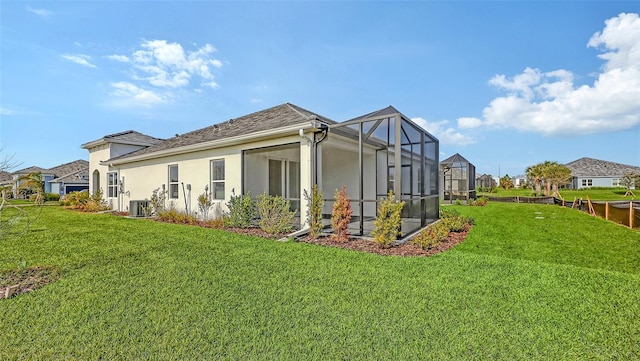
(96, 181)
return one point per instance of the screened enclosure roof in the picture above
(456, 158)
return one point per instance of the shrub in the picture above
(204, 203)
(341, 215)
(314, 211)
(455, 224)
(432, 235)
(173, 215)
(388, 222)
(274, 213)
(51, 197)
(480, 202)
(76, 199)
(157, 200)
(242, 210)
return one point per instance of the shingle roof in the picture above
(590, 167)
(68, 168)
(5, 176)
(32, 169)
(276, 117)
(73, 177)
(456, 158)
(126, 137)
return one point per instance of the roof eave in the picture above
(212, 144)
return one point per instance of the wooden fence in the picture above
(622, 212)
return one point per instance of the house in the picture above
(61, 179)
(590, 172)
(486, 181)
(519, 181)
(282, 151)
(459, 179)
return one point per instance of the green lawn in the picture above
(519, 288)
(599, 194)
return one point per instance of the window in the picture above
(173, 182)
(587, 182)
(616, 182)
(112, 184)
(217, 179)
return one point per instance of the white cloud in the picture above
(120, 58)
(5, 111)
(167, 65)
(40, 12)
(130, 95)
(466, 123)
(550, 103)
(446, 135)
(79, 59)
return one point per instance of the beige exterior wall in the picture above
(142, 177)
(97, 155)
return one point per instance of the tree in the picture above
(32, 183)
(506, 182)
(18, 219)
(535, 175)
(557, 175)
(551, 174)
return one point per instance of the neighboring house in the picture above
(459, 178)
(282, 151)
(519, 181)
(61, 179)
(589, 172)
(486, 181)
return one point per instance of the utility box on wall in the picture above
(136, 208)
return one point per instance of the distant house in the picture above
(280, 151)
(589, 172)
(61, 179)
(459, 178)
(486, 181)
(519, 181)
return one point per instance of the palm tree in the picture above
(535, 173)
(557, 176)
(33, 183)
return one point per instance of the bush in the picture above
(432, 235)
(341, 215)
(76, 199)
(173, 215)
(314, 211)
(388, 222)
(274, 213)
(204, 203)
(455, 224)
(242, 210)
(480, 202)
(51, 197)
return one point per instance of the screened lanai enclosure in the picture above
(459, 179)
(371, 155)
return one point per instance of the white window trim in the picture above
(223, 180)
(169, 182)
(114, 186)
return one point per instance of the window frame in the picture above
(172, 183)
(214, 183)
(112, 184)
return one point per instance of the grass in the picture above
(599, 194)
(137, 289)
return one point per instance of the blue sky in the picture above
(505, 84)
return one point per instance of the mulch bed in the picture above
(17, 281)
(405, 249)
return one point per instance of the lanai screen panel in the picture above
(386, 153)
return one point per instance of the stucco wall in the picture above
(142, 177)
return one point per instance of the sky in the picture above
(505, 84)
